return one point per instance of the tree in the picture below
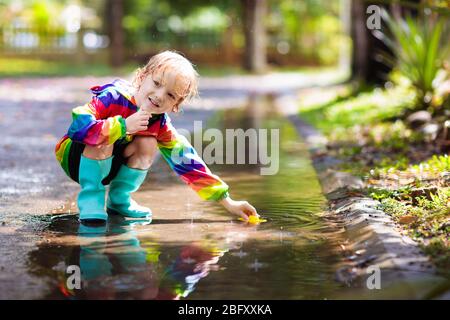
(255, 51)
(114, 15)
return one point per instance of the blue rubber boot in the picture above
(91, 199)
(94, 262)
(127, 181)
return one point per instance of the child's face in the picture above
(160, 95)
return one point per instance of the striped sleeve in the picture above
(92, 125)
(187, 164)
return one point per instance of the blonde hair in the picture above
(171, 60)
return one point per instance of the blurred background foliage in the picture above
(50, 37)
(299, 33)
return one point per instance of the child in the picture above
(113, 139)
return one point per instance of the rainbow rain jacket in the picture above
(102, 122)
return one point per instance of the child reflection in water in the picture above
(114, 266)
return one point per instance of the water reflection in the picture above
(292, 256)
(116, 264)
(194, 250)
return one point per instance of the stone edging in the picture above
(371, 232)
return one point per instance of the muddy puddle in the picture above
(193, 249)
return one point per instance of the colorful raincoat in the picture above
(102, 122)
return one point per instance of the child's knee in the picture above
(98, 152)
(141, 152)
(146, 146)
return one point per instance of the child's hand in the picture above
(137, 121)
(239, 208)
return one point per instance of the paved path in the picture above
(36, 112)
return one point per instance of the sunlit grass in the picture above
(348, 110)
(359, 124)
(366, 131)
(24, 67)
(426, 219)
(20, 67)
(430, 169)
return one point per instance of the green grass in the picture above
(361, 108)
(364, 128)
(430, 169)
(438, 163)
(24, 67)
(426, 219)
(365, 131)
(19, 67)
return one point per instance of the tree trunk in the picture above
(255, 52)
(115, 10)
(228, 50)
(345, 20)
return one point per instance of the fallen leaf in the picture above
(407, 219)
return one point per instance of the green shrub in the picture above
(420, 47)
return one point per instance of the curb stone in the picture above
(371, 232)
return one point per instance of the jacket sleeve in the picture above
(93, 125)
(187, 164)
